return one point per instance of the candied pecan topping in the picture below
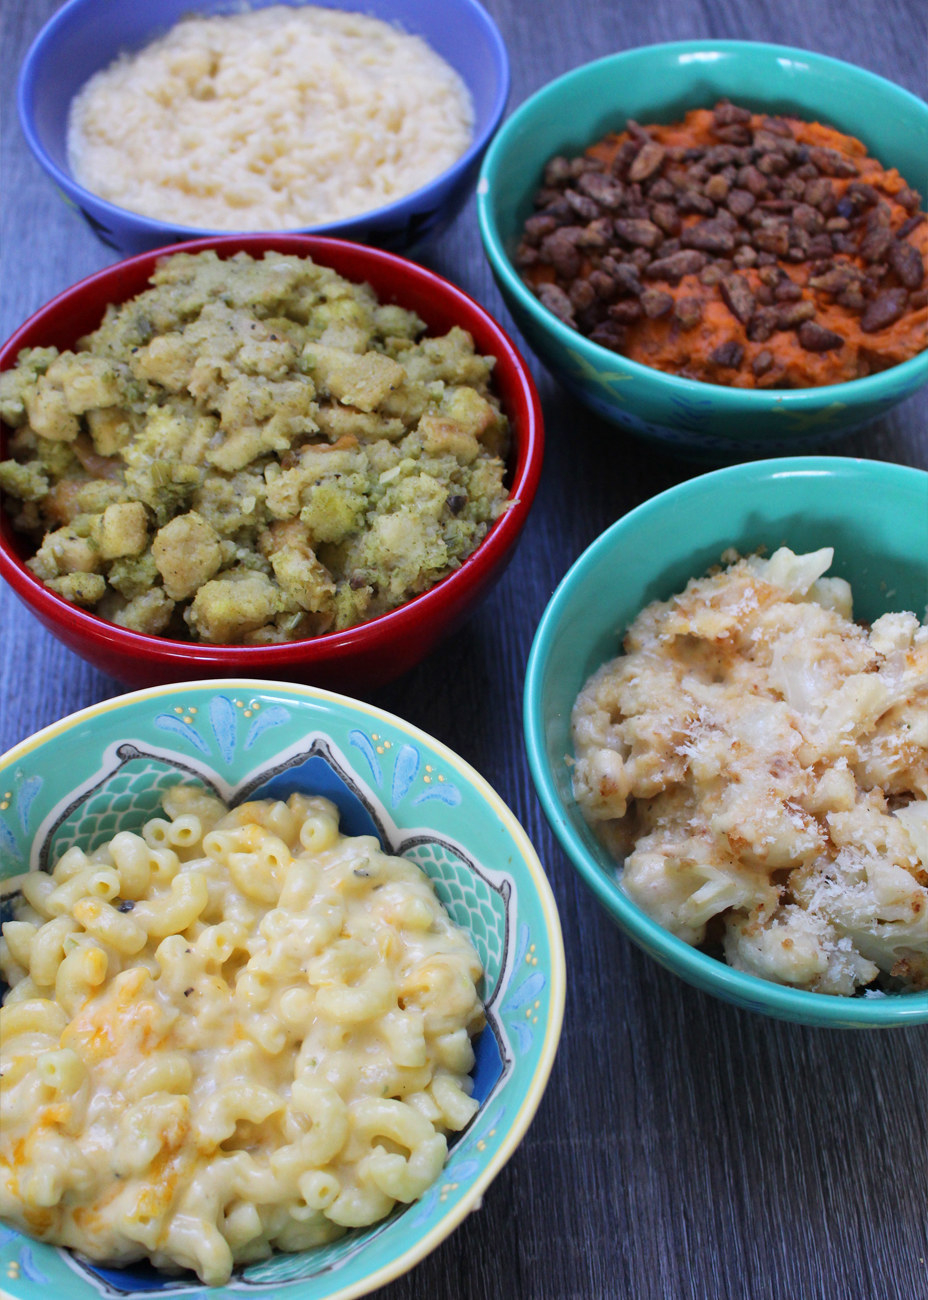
(709, 236)
(603, 189)
(628, 309)
(792, 314)
(656, 302)
(688, 312)
(907, 264)
(777, 229)
(911, 224)
(740, 201)
(647, 161)
(885, 309)
(609, 334)
(737, 295)
(556, 300)
(763, 325)
(762, 362)
(725, 113)
(729, 355)
(637, 231)
(675, 267)
(815, 338)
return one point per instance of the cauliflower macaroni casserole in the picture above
(238, 1030)
(759, 764)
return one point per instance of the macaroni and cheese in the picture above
(759, 765)
(235, 1031)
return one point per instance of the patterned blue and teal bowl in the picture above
(105, 768)
(659, 83)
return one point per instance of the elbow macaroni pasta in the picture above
(236, 1031)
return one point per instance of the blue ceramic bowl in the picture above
(86, 35)
(104, 769)
(875, 515)
(659, 83)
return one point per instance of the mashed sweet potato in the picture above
(734, 248)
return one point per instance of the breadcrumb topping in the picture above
(758, 764)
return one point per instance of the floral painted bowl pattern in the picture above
(249, 739)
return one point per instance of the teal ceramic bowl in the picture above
(103, 769)
(659, 83)
(875, 515)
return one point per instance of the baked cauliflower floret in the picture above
(797, 947)
(759, 766)
(682, 888)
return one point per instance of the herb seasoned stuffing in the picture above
(252, 452)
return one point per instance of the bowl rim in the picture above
(684, 960)
(528, 857)
(388, 214)
(914, 371)
(479, 565)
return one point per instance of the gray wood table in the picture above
(683, 1148)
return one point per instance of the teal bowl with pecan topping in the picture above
(751, 244)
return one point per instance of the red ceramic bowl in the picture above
(360, 657)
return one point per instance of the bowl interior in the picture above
(249, 739)
(388, 644)
(659, 83)
(875, 516)
(86, 35)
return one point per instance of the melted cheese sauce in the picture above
(240, 1030)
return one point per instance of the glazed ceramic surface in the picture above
(875, 515)
(104, 770)
(360, 657)
(86, 35)
(659, 83)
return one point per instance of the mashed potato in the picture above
(760, 765)
(264, 120)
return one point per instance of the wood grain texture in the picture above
(684, 1149)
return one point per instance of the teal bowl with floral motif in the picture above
(104, 769)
